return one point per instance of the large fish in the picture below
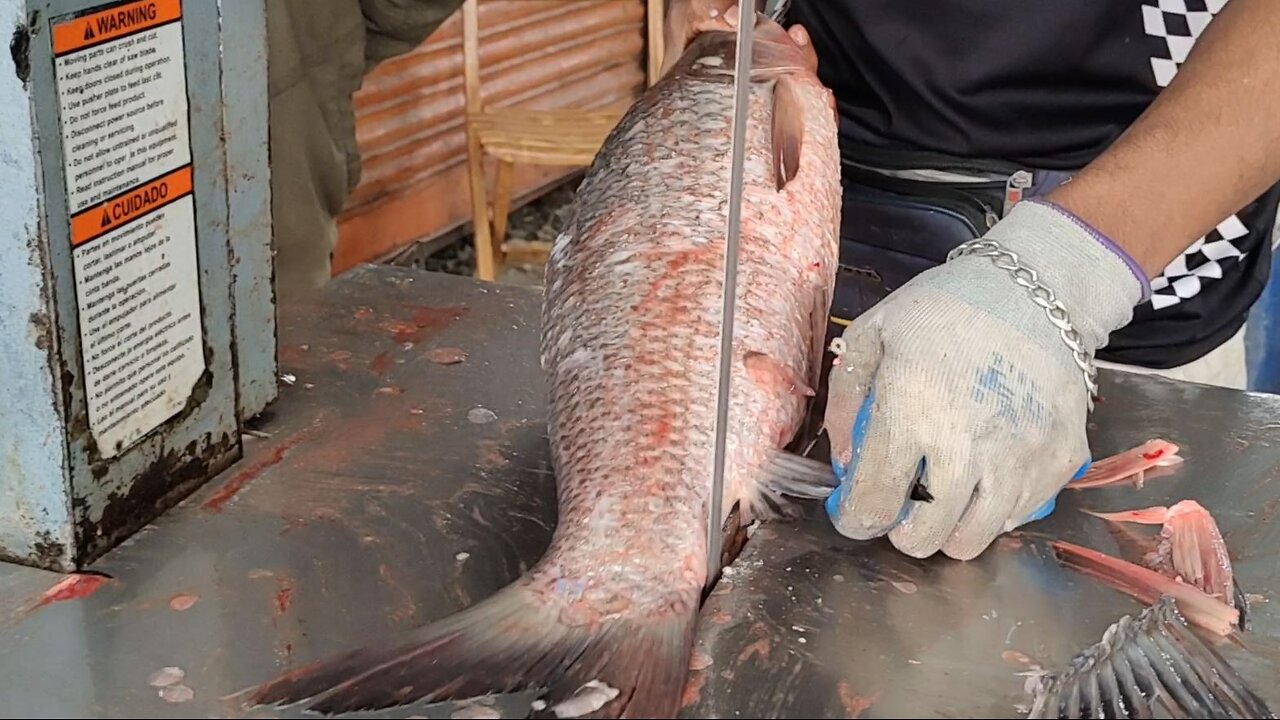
(605, 622)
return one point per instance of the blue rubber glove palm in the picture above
(960, 380)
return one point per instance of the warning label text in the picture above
(124, 111)
(122, 91)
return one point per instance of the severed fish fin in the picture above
(1149, 666)
(1199, 551)
(511, 642)
(1146, 586)
(800, 477)
(769, 372)
(788, 131)
(1146, 516)
(1129, 465)
(1196, 550)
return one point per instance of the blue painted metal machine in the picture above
(137, 325)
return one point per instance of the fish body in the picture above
(633, 307)
(604, 623)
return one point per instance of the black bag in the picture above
(899, 219)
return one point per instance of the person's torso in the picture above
(1041, 85)
(1049, 84)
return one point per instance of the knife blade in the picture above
(741, 99)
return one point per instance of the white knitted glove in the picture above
(961, 375)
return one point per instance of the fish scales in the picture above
(631, 329)
(630, 350)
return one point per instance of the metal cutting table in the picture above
(403, 474)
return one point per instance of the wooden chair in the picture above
(562, 137)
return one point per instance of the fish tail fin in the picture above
(1149, 666)
(511, 642)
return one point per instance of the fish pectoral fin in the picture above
(800, 477)
(1149, 666)
(1129, 465)
(788, 131)
(1146, 516)
(770, 372)
(510, 642)
(1200, 552)
(1147, 586)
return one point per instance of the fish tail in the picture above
(512, 642)
(1149, 666)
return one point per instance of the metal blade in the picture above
(742, 96)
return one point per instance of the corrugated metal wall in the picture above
(533, 53)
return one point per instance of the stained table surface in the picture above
(404, 474)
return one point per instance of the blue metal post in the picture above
(1262, 339)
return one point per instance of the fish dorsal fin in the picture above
(788, 131)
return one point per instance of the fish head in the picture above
(687, 19)
(776, 51)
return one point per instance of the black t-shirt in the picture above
(1047, 85)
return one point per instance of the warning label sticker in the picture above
(122, 91)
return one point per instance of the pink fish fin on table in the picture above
(513, 641)
(1131, 464)
(1149, 666)
(1146, 516)
(1199, 551)
(1199, 554)
(1133, 543)
(1146, 586)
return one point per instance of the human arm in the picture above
(1207, 146)
(961, 369)
(395, 27)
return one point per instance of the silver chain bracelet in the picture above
(1042, 296)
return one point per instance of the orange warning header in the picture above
(124, 209)
(121, 20)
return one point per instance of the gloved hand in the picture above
(958, 377)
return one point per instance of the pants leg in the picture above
(311, 83)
